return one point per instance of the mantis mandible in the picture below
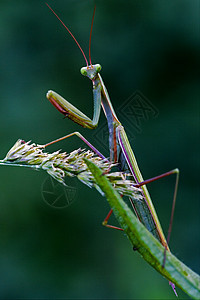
(120, 149)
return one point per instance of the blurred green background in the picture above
(151, 46)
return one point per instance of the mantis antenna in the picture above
(91, 36)
(70, 33)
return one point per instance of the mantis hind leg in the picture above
(175, 171)
(105, 222)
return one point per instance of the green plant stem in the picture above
(145, 243)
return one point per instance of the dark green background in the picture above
(151, 46)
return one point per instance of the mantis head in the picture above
(91, 71)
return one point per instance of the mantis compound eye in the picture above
(98, 68)
(83, 71)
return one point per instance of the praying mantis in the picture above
(120, 149)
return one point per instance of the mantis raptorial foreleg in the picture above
(71, 112)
